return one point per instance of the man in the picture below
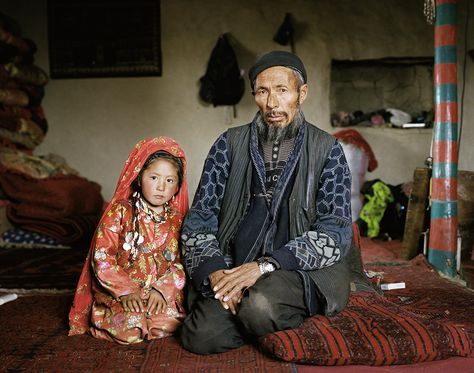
(268, 240)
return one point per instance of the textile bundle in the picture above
(351, 136)
(21, 89)
(43, 194)
(65, 207)
(361, 159)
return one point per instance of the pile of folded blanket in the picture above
(43, 201)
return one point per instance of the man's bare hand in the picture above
(232, 303)
(215, 277)
(233, 282)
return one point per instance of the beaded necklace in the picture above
(135, 238)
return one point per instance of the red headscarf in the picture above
(79, 316)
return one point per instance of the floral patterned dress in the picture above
(133, 250)
(156, 266)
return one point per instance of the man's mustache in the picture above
(275, 113)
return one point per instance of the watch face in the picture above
(268, 267)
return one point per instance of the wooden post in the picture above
(444, 224)
(417, 216)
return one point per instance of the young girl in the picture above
(131, 285)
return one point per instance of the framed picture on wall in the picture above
(104, 38)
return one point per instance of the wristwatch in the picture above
(265, 265)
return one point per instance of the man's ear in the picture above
(303, 93)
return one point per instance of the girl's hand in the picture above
(156, 302)
(132, 302)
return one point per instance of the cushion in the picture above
(430, 319)
(371, 330)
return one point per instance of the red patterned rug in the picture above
(33, 338)
(166, 355)
(40, 268)
(378, 251)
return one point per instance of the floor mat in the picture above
(40, 268)
(34, 339)
(378, 251)
(34, 328)
(166, 355)
(39, 342)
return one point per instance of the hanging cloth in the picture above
(223, 83)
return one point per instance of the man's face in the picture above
(277, 95)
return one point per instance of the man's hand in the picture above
(231, 304)
(233, 282)
(214, 278)
(132, 302)
(156, 303)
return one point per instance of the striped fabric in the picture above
(431, 319)
(370, 331)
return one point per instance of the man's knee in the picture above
(198, 340)
(257, 314)
(262, 311)
(204, 336)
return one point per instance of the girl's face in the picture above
(159, 183)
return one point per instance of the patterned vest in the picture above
(333, 283)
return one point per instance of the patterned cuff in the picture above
(285, 259)
(202, 273)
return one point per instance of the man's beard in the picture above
(271, 133)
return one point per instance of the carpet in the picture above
(166, 355)
(38, 342)
(33, 336)
(34, 339)
(378, 251)
(40, 268)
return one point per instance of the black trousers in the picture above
(275, 302)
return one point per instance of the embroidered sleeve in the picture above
(108, 272)
(200, 248)
(330, 236)
(171, 282)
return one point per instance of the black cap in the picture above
(276, 58)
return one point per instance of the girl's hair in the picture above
(157, 155)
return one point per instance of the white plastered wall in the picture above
(94, 123)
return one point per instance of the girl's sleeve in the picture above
(108, 272)
(170, 283)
